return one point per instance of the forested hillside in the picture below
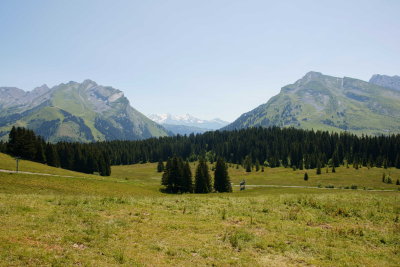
(25, 144)
(270, 146)
(273, 147)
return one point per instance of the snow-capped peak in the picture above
(188, 120)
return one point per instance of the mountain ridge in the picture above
(73, 111)
(323, 102)
(392, 82)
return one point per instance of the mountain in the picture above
(183, 129)
(186, 124)
(74, 111)
(392, 82)
(322, 102)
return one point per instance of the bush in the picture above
(353, 186)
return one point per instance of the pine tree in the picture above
(12, 142)
(175, 175)
(257, 165)
(318, 167)
(51, 156)
(222, 182)
(165, 177)
(160, 166)
(247, 163)
(305, 176)
(107, 164)
(202, 178)
(385, 164)
(39, 155)
(187, 181)
(397, 161)
(398, 182)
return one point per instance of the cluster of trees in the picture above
(86, 158)
(177, 177)
(273, 147)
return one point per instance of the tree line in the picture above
(272, 147)
(86, 158)
(177, 177)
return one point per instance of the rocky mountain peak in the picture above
(311, 75)
(392, 82)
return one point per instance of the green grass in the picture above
(125, 220)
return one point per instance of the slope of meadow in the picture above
(125, 220)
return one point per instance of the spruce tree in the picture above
(51, 156)
(305, 176)
(12, 142)
(202, 178)
(247, 163)
(175, 175)
(257, 165)
(187, 181)
(165, 177)
(333, 168)
(39, 155)
(222, 182)
(397, 161)
(318, 167)
(160, 166)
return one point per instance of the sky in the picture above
(209, 58)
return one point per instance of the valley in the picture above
(125, 220)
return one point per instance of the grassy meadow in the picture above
(88, 220)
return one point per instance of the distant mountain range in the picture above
(187, 124)
(87, 112)
(322, 102)
(74, 111)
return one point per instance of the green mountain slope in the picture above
(74, 111)
(322, 102)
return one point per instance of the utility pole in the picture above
(17, 161)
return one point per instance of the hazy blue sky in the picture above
(207, 58)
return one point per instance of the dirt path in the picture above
(315, 187)
(38, 173)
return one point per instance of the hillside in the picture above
(322, 102)
(74, 111)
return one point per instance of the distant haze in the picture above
(206, 58)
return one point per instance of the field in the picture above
(87, 220)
